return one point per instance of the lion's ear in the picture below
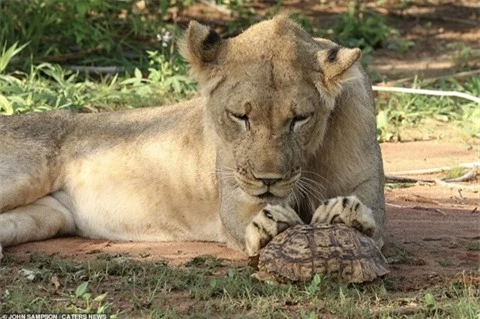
(200, 47)
(336, 63)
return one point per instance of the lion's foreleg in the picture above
(42, 219)
(250, 225)
(268, 223)
(370, 193)
(346, 210)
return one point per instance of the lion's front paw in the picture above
(347, 210)
(269, 222)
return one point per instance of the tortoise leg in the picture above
(270, 221)
(346, 210)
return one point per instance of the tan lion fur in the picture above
(277, 107)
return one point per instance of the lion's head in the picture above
(269, 93)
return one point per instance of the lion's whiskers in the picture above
(305, 193)
(318, 176)
(224, 174)
(311, 190)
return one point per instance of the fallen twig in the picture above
(398, 311)
(405, 14)
(72, 55)
(218, 8)
(450, 183)
(403, 179)
(468, 176)
(458, 75)
(437, 169)
(456, 20)
(426, 92)
(419, 207)
(96, 69)
(457, 186)
(420, 199)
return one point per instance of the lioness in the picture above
(285, 123)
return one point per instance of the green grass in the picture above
(85, 32)
(398, 112)
(455, 172)
(48, 86)
(207, 287)
(42, 40)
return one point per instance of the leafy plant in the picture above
(400, 111)
(84, 31)
(430, 301)
(361, 28)
(48, 86)
(464, 53)
(82, 301)
(314, 287)
(455, 172)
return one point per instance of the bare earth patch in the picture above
(436, 229)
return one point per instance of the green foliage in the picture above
(398, 111)
(8, 54)
(49, 87)
(455, 172)
(245, 16)
(82, 301)
(314, 287)
(430, 302)
(311, 315)
(465, 54)
(85, 31)
(362, 29)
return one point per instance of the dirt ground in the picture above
(436, 229)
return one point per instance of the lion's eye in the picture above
(240, 118)
(298, 121)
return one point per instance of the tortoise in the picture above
(330, 250)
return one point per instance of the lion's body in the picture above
(191, 171)
(106, 168)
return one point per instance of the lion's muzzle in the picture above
(268, 187)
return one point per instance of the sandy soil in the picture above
(436, 230)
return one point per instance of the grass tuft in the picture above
(400, 112)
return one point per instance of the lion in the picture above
(282, 133)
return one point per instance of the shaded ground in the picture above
(436, 228)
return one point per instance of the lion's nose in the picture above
(270, 181)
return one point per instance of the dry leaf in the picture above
(55, 282)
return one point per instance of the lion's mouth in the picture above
(270, 198)
(274, 194)
(267, 195)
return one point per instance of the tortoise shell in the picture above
(330, 250)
